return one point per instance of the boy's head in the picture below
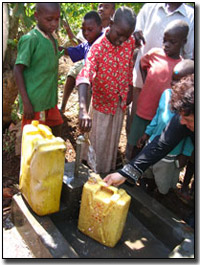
(183, 68)
(122, 26)
(106, 11)
(175, 37)
(182, 100)
(47, 16)
(91, 26)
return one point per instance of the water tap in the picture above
(80, 140)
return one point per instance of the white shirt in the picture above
(152, 20)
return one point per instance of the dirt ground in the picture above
(11, 163)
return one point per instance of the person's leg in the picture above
(69, 86)
(131, 109)
(164, 172)
(54, 120)
(71, 82)
(57, 130)
(104, 138)
(138, 127)
(188, 176)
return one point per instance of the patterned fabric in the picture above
(109, 69)
(104, 138)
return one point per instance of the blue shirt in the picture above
(159, 122)
(80, 51)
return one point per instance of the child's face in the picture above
(48, 19)
(91, 30)
(105, 11)
(172, 43)
(119, 33)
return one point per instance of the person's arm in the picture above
(75, 53)
(85, 122)
(140, 25)
(143, 72)
(69, 32)
(28, 111)
(151, 153)
(139, 38)
(142, 140)
(130, 95)
(83, 80)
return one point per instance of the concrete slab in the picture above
(151, 231)
(158, 219)
(40, 234)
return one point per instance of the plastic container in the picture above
(103, 212)
(42, 168)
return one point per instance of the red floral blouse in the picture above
(110, 71)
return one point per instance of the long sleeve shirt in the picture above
(157, 149)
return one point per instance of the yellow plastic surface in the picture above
(103, 212)
(42, 168)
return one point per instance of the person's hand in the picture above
(28, 111)
(85, 122)
(139, 38)
(65, 24)
(141, 142)
(114, 179)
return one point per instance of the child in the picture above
(105, 11)
(166, 171)
(36, 69)
(92, 30)
(156, 68)
(108, 68)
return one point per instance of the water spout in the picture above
(80, 140)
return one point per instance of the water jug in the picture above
(42, 168)
(103, 212)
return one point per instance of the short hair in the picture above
(182, 99)
(113, 5)
(40, 6)
(126, 14)
(180, 26)
(93, 15)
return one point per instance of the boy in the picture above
(156, 68)
(166, 172)
(92, 30)
(106, 12)
(109, 69)
(36, 69)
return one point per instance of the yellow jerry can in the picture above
(103, 211)
(42, 168)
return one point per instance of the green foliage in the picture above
(15, 116)
(74, 12)
(12, 43)
(62, 80)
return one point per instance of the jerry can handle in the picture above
(109, 189)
